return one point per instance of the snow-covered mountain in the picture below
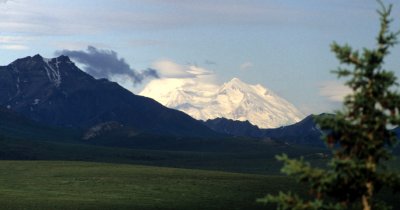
(234, 100)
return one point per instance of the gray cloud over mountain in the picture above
(102, 63)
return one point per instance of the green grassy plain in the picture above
(83, 185)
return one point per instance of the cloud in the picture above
(3, 1)
(246, 66)
(94, 17)
(13, 39)
(174, 76)
(102, 63)
(170, 69)
(14, 47)
(14, 42)
(50, 18)
(77, 45)
(182, 77)
(334, 91)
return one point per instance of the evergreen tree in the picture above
(359, 136)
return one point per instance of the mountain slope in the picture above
(235, 127)
(304, 132)
(14, 126)
(56, 92)
(233, 100)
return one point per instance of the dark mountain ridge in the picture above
(235, 127)
(305, 132)
(56, 92)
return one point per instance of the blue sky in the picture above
(281, 44)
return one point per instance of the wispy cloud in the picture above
(13, 39)
(102, 63)
(334, 91)
(77, 45)
(188, 77)
(89, 17)
(179, 76)
(13, 47)
(14, 42)
(246, 66)
(171, 69)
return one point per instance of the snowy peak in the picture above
(234, 100)
(235, 85)
(26, 77)
(235, 82)
(37, 66)
(53, 70)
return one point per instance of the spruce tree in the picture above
(359, 135)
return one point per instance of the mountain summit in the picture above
(56, 92)
(234, 100)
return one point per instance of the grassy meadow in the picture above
(83, 185)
